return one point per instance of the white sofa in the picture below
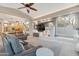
(60, 48)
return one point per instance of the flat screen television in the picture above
(40, 27)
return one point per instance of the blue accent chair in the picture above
(7, 47)
(13, 47)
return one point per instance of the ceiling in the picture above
(43, 8)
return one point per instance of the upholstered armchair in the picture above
(13, 47)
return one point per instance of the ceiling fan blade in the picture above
(33, 8)
(28, 11)
(30, 4)
(23, 3)
(21, 7)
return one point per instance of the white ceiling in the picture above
(43, 8)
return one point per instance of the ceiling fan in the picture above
(28, 6)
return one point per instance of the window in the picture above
(65, 26)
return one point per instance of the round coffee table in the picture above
(44, 52)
